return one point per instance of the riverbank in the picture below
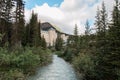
(59, 69)
(22, 62)
(67, 56)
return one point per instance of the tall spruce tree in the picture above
(43, 43)
(87, 34)
(87, 28)
(101, 43)
(76, 30)
(38, 34)
(114, 43)
(18, 26)
(75, 34)
(76, 41)
(59, 42)
(6, 7)
(98, 21)
(33, 32)
(32, 27)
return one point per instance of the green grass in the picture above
(22, 62)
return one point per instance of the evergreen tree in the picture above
(33, 32)
(2, 8)
(59, 42)
(76, 41)
(76, 30)
(30, 29)
(38, 34)
(76, 34)
(101, 42)
(113, 57)
(6, 7)
(87, 28)
(27, 35)
(87, 34)
(98, 21)
(43, 43)
(18, 26)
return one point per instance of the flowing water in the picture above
(57, 70)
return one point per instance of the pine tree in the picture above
(76, 41)
(98, 21)
(76, 30)
(2, 8)
(43, 43)
(27, 35)
(38, 34)
(87, 34)
(101, 43)
(59, 42)
(87, 28)
(8, 10)
(32, 27)
(18, 26)
(6, 7)
(114, 43)
(33, 32)
(76, 34)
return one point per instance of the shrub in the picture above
(44, 55)
(4, 57)
(85, 64)
(59, 53)
(25, 60)
(22, 61)
(13, 74)
(68, 54)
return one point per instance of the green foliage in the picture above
(87, 27)
(22, 61)
(25, 59)
(99, 57)
(19, 23)
(44, 55)
(59, 53)
(76, 30)
(33, 33)
(12, 75)
(68, 54)
(43, 43)
(16, 61)
(59, 43)
(85, 64)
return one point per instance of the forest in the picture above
(95, 56)
(22, 48)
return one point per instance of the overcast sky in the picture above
(66, 13)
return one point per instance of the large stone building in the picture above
(50, 33)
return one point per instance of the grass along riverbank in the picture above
(22, 62)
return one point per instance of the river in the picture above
(57, 70)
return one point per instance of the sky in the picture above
(66, 13)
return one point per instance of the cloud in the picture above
(69, 13)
